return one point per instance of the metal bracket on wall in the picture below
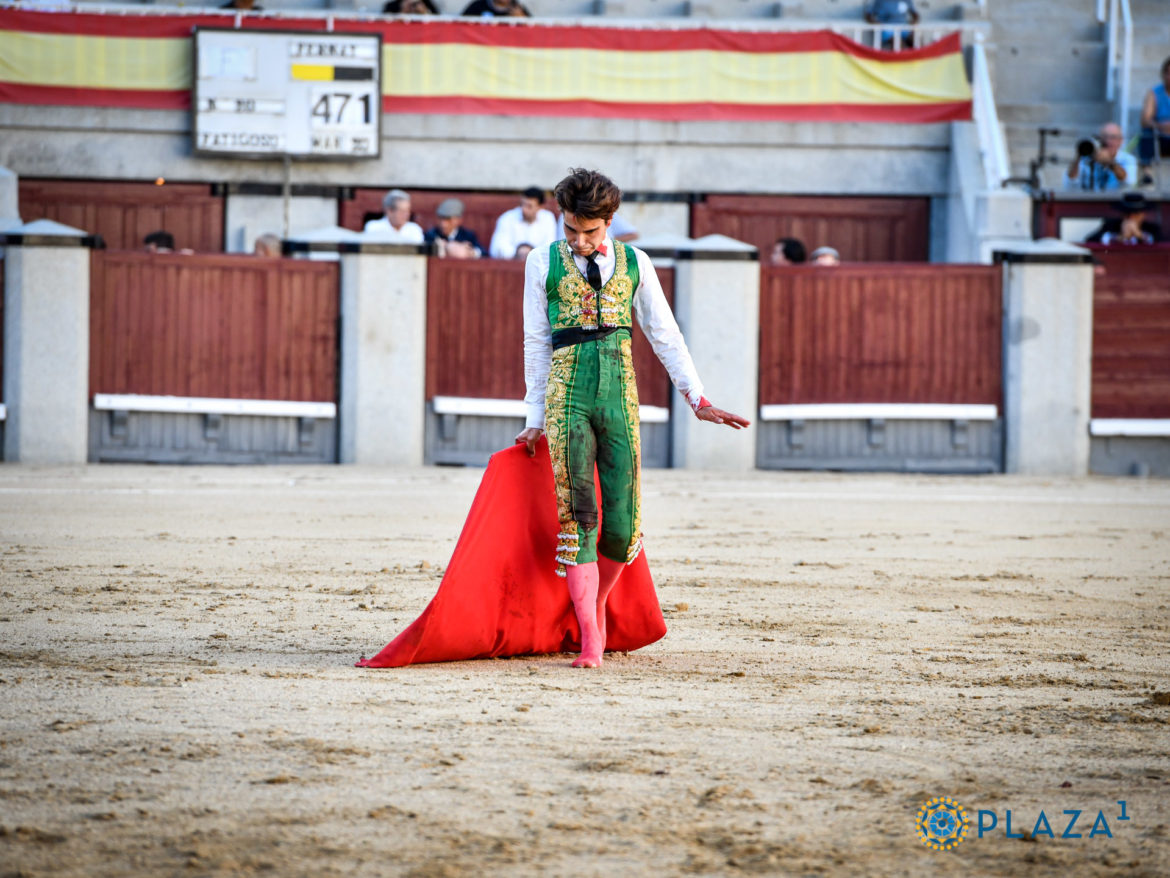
(796, 434)
(305, 428)
(212, 425)
(876, 436)
(959, 433)
(118, 424)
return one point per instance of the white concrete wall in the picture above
(247, 217)
(1047, 362)
(46, 354)
(717, 304)
(382, 406)
(496, 152)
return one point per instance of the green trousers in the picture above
(591, 418)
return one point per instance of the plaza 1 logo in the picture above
(943, 824)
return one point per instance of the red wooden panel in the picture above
(861, 229)
(1046, 215)
(480, 209)
(475, 333)
(1131, 346)
(231, 326)
(125, 212)
(880, 333)
(1119, 259)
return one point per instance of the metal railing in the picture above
(992, 143)
(1120, 55)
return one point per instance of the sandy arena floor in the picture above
(178, 696)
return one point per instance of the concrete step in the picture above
(1031, 72)
(1083, 115)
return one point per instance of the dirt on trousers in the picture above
(177, 695)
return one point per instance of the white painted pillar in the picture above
(717, 304)
(382, 403)
(46, 343)
(1047, 357)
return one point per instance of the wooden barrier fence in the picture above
(881, 333)
(213, 325)
(1131, 346)
(475, 333)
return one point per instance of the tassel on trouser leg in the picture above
(583, 592)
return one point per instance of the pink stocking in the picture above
(583, 592)
(608, 572)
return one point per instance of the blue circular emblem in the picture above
(942, 824)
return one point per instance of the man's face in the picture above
(1111, 138)
(448, 225)
(399, 214)
(529, 207)
(585, 235)
(778, 257)
(1166, 77)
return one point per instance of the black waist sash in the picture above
(562, 338)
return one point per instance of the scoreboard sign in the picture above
(262, 94)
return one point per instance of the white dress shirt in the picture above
(511, 231)
(651, 310)
(409, 233)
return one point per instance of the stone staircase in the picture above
(1049, 62)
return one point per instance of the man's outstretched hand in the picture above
(529, 436)
(718, 416)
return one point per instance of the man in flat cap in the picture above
(449, 236)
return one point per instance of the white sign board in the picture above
(260, 94)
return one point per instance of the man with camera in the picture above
(1100, 165)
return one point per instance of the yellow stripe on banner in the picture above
(69, 60)
(448, 69)
(320, 72)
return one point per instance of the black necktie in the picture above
(592, 271)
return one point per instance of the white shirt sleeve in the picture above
(537, 336)
(661, 329)
(501, 246)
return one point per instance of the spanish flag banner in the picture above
(516, 69)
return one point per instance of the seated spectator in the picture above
(1102, 166)
(825, 256)
(522, 251)
(267, 245)
(159, 242)
(1155, 124)
(395, 227)
(497, 9)
(410, 7)
(527, 224)
(243, 5)
(788, 251)
(1131, 227)
(449, 236)
(892, 12)
(620, 230)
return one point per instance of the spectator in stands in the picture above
(497, 9)
(892, 12)
(527, 224)
(788, 251)
(159, 242)
(243, 5)
(395, 226)
(826, 256)
(621, 229)
(410, 7)
(267, 245)
(1155, 124)
(1100, 165)
(449, 236)
(1131, 227)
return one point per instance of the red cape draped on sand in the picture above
(501, 596)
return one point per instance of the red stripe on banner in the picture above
(942, 111)
(474, 32)
(91, 24)
(13, 93)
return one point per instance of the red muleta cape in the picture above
(501, 596)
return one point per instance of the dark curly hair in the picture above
(588, 194)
